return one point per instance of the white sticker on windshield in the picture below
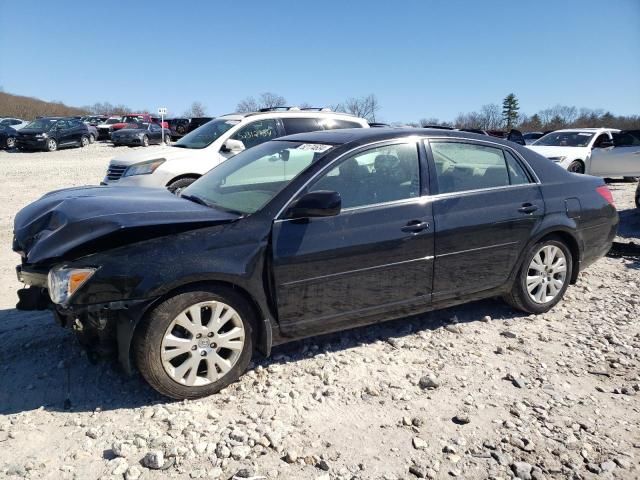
(314, 147)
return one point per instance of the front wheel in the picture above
(576, 167)
(92, 138)
(145, 141)
(195, 343)
(167, 139)
(52, 145)
(543, 277)
(11, 142)
(84, 141)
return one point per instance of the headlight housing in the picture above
(557, 159)
(42, 135)
(144, 168)
(63, 282)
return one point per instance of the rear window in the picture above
(300, 125)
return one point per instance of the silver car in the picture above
(618, 158)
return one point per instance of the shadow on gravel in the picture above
(42, 365)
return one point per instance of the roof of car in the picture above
(341, 136)
(600, 129)
(289, 113)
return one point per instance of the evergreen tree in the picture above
(510, 111)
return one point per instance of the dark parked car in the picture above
(197, 122)
(7, 137)
(530, 137)
(303, 235)
(179, 127)
(142, 134)
(51, 133)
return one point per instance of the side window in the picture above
(300, 125)
(257, 132)
(603, 137)
(629, 138)
(62, 124)
(382, 174)
(333, 124)
(466, 166)
(517, 174)
(154, 127)
(15, 122)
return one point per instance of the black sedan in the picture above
(304, 235)
(8, 137)
(144, 134)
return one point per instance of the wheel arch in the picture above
(126, 330)
(181, 176)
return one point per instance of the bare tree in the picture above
(266, 100)
(364, 107)
(197, 109)
(490, 116)
(271, 100)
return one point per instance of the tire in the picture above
(630, 179)
(179, 184)
(92, 138)
(84, 141)
(521, 297)
(52, 145)
(11, 143)
(145, 141)
(163, 348)
(576, 167)
(167, 139)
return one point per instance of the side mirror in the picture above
(605, 144)
(322, 203)
(232, 146)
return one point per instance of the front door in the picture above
(487, 205)
(371, 261)
(621, 160)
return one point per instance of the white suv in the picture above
(178, 165)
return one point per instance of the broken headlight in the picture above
(63, 282)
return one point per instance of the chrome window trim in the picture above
(424, 198)
(515, 153)
(329, 167)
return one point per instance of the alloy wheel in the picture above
(11, 142)
(202, 344)
(547, 274)
(52, 145)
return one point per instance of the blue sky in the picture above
(421, 59)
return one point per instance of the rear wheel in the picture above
(576, 166)
(84, 141)
(167, 139)
(52, 145)
(543, 277)
(179, 184)
(195, 343)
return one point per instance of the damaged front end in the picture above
(67, 236)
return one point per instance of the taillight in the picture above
(605, 193)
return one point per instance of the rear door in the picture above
(64, 132)
(621, 160)
(373, 259)
(488, 203)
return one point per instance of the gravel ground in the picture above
(477, 391)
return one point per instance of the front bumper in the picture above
(32, 143)
(35, 296)
(157, 179)
(132, 141)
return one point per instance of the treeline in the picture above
(29, 108)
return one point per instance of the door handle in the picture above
(528, 208)
(415, 226)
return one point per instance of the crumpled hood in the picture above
(569, 152)
(66, 219)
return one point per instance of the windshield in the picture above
(111, 121)
(565, 139)
(205, 135)
(247, 182)
(43, 124)
(132, 118)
